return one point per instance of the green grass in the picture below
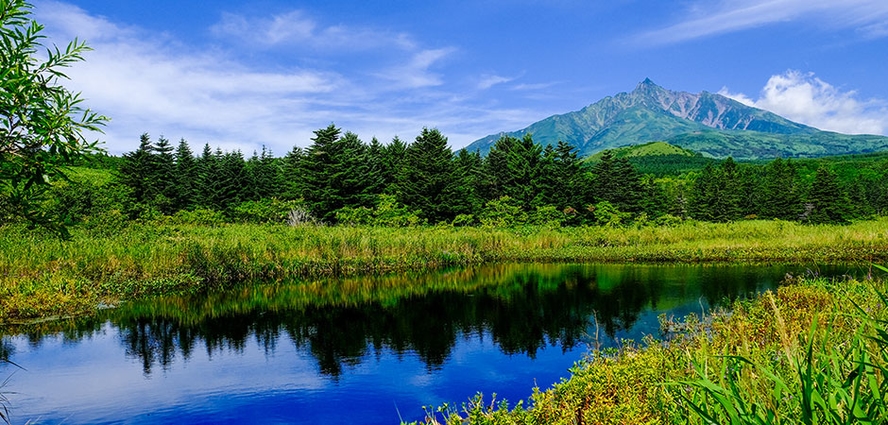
(41, 276)
(813, 352)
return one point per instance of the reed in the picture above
(41, 276)
(813, 352)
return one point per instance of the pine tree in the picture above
(263, 176)
(186, 178)
(335, 173)
(467, 167)
(232, 179)
(782, 195)
(207, 178)
(137, 170)
(428, 183)
(523, 171)
(291, 174)
(616, 181)
(394, 159)
(164, 176)
(829, 202)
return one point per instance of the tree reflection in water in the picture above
(523, 308)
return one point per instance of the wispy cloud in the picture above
(488, 81)
(416, 72)
(705, 19)
(148, 81)
(804, 98)
(297, 29)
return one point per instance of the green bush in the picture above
(503, 212)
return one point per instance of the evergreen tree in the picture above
(186, 177)
(232, 181)
(393, 167)
(495, 177)
(616, 181)
(523, 172)
(829, 203)
(164, 176)
(137, 170)
(291, 174)
(781, 191)
(263, 176)
(716, 193)
(335, 173)
(428, 183)
(467, 167)
(207, 178)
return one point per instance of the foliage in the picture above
(41, 276)
(41, 123)
(502, 212)
(812, 352)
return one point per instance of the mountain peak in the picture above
(706, 122)
(647, 85)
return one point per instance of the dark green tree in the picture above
(291, 173)
(186, 177)
(336, 173)
(163, 181)
(467, 167)
(495, 177)
(233, 181)
(827, 199)
(616, 181)
(427, 182)
(781, 191)
(394, 159)
(264, 176)
(208, 169)
(137, 170)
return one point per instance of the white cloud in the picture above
(711, 18)
(150, 81)
(415, 73)
(297, 29)
(488, 81)
(806, 99)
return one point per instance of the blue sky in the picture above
(239, 75)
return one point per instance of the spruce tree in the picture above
(428, 183)
(163, 180)
(207, 178)
(394, 160)
(186, 177)
(335, 173)
(829, 202)
(137, 170)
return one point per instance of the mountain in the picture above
(709, 123)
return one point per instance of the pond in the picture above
(358, 351)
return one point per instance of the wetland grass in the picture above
(41, 276)
(812, 352)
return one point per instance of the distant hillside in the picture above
(709, 123)
(646, 149)
(657, 158)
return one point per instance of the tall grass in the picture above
(814, 352)
(42, 276)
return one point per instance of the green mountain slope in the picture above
(706, 122)
(646, 149)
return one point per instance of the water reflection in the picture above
(298, 352)
(523, 308)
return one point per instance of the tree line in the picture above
(339, 179)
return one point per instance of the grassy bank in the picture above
(41, 276)
(812, 352)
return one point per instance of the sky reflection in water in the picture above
(351, 351)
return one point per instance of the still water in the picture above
(358, 351)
